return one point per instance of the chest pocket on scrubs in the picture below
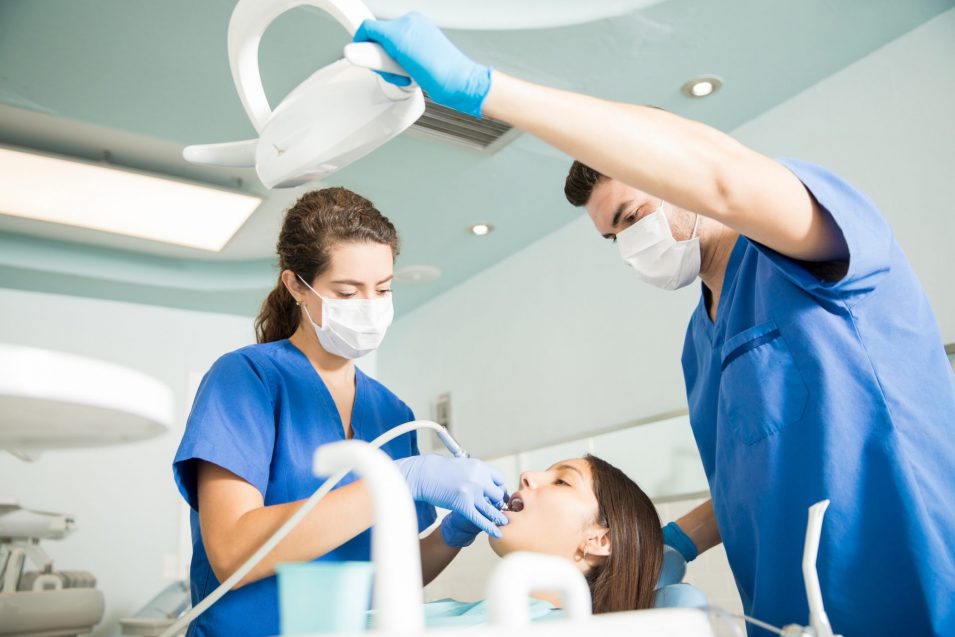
(761, 390)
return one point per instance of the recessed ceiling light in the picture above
(481, 229)
(702, 86)
(417, 274)
(99, 197)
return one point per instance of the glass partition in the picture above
(658, 453)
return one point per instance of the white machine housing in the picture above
(339, 114)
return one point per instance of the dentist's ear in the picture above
(291, 283)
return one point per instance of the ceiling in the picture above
(131, 82)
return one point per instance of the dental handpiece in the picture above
(456, 450)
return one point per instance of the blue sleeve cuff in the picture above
(674, 536)
(427, 515)
(866, 232)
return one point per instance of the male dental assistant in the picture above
(814, 366)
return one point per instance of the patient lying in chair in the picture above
(589, 512)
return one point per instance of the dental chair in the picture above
(680, 608)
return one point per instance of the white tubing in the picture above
(293, 521)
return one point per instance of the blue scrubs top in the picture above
(803, 390)
(261, 412)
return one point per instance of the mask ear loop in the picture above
(304, 306)
(309, 315)
(695, 226)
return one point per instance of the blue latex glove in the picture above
(674, 536)
(448, 76)
(457, 531)
(469, 487)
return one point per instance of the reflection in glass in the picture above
(658, 454)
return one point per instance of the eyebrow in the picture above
(358, 284)
(620, 210)
(616, 217)
(571, 467)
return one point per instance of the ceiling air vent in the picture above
(440, 122)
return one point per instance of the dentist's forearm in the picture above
(235, 523)
(339, 517)
(700, 525)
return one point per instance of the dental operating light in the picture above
(341, 113)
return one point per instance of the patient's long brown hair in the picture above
(627, 578)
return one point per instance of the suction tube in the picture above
(299, 515)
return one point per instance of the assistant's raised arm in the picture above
(681, 161)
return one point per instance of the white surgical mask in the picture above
(352, 328)
(649, 248)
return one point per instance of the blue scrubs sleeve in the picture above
(865, 230)
(232, 424)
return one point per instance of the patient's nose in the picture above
(529, 479)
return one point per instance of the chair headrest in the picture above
(680, 596)
(674, 567)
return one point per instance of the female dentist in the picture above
(245, 461)
(814, 366)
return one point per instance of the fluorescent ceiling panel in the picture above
(118, 201)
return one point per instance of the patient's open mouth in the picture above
(515, 504)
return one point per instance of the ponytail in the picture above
(278, 317)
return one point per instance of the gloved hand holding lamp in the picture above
(448, 76)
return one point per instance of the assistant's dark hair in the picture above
(580, 183)
(318, 221)
(626, 580)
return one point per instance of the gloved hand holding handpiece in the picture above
(473, 491)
